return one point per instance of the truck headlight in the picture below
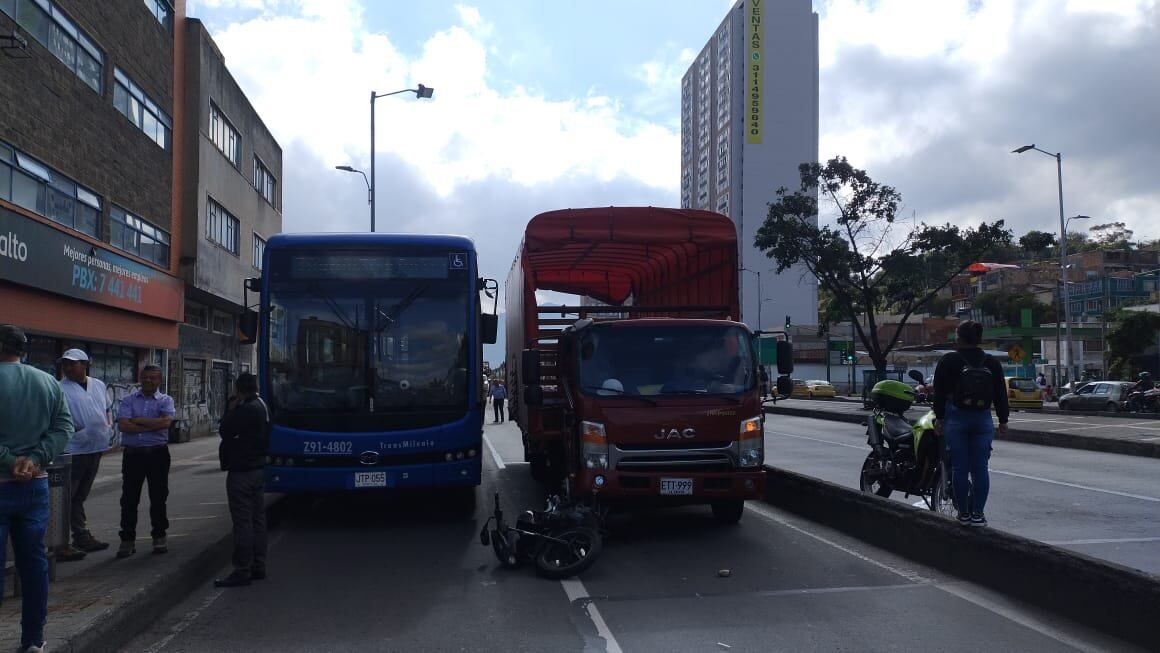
(594, 445)
(752, 442)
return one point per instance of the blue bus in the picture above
(370, 350)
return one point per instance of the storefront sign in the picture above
(37, 255)
(755, 35)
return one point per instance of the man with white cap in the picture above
(88, 402)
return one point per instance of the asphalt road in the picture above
(406, 573)
(1103, 505)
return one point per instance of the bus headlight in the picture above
(752, 443)
(595, 445)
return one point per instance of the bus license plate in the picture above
(370, 479)
(676, 486)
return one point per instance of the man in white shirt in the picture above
(88, 401)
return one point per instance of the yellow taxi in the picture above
(1023, 393)
(821, 389)
(800, 390)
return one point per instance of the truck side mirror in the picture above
(488, 328)
(784, 359)
(531, 367)
(784, 384)
(248, 327)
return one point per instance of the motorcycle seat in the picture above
(896, 428)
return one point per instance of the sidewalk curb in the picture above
(1117, 600)
(119, 624)
(1045, 438)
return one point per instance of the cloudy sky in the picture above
(547, 105)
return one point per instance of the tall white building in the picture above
(749, 117)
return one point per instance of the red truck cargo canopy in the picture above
(659, 257)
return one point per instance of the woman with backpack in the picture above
(968, 384)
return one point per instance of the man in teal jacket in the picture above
(35, 428)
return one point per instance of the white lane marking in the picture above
(1150, 429)
(1150, 439)
(576, 591)
(1077, 486)
(1121, 540)
(194, 518)
(999, 471)
(494, 455)
(767, 514)
(1013, 615)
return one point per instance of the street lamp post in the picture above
(1063, 251)
(421, 92)
(759, 302)
(370, 197)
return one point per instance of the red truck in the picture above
(648, 389)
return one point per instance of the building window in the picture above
(223, 323)
(143, 112)
(162, 11)
(265, 182)
(193, 381)
(196, 315)
(112, 364)
(133, 234)
(45, 21)
(26, 182)
(224, 136)
(222, 227)
(259, 250)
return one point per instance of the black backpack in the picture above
(975, 389)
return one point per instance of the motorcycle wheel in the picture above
(578, 550)
(875, 486)
(942, 492)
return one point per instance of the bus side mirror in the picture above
(784, 386)
(489, 328)
(530, 362)
(784, 359)
(248, 327)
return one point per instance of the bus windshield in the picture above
(666, 360)
(380, 346)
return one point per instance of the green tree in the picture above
(1036, 244)
(1112, 235)
(865, 265)
(1132, 343)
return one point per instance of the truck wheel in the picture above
(728, 512)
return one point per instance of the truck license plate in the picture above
(370, 479)
(676, 486)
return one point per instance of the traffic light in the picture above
(850, 355)
(787, 321)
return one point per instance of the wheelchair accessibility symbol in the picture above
(457, 261)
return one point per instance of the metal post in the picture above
(373, 161)
(760, 301)
(1063, 270)
(827, 354)
(1058, 343)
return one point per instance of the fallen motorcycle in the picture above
(562, 540)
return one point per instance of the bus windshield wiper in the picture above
(699, 393)
(316, 290)
(390, 317)
(621, 393)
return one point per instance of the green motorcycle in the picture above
(905, 456)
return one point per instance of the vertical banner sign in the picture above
(755, 32)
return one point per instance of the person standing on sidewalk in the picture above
(498, 395)
(144, 417)
(245, 433)
(35, 428)
(88, 402)
(968, 383)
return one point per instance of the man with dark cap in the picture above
(245, 433)
(35, 429)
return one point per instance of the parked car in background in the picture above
(1109, 396)
(1023, 393)
(800, 389)
(821, 389)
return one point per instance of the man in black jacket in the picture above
(968, 384)
(245, 433)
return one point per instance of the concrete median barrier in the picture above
(1109, 597)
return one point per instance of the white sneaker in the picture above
(33, 648)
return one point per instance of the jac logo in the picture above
(674, 434)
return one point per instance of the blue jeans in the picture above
(968, 435)
(24, 516)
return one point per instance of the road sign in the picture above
(1016, 353)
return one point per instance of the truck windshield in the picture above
(387, 346)
(642, 361)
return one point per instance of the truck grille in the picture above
(701, 458)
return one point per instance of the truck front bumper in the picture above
(706, 486)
